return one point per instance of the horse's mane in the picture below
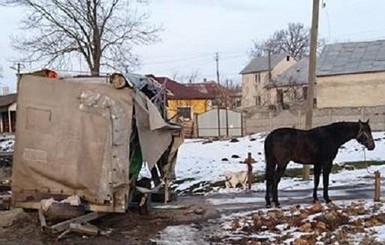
(339, 126)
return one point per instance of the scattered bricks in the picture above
(357, 208)
(270, 223)
(333, 219)
(316, 208)
(257, 221)
(299, 241)
(199, 211)
(296, 221)
(373, 222)
(294, 209)
(320, 226)
(304, 213)
(376, 207)
(358, 222)
(253, 243)
(310, 238)
(305, 227)
(275, 214)
(235, 225)
(380, 217)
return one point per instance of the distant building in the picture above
(256, 77)
(8, 113)
(351, 75)
(290, 87)
(183, 101)
(219, 95)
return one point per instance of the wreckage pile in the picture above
(357, 222)
(7, 142)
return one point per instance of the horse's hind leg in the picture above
(269, 185)
(277, 177)
(317, 173)
(269, 178)
(325, 175)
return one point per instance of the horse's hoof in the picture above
(277, 205)
(268, 206)
(328, 201)
(315, 201)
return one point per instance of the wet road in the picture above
(234, 202)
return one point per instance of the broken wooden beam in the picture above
(62, 226)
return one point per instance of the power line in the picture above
(183, 59)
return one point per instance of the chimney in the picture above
(5, 90)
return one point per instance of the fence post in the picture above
(377, 186)
(249, 160)
(219, 122)
(196, 126)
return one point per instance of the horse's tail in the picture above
(269, 160)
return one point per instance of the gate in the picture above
(219, 122)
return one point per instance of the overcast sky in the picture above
(196, 29)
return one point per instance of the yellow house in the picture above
(351, 75)
(183, 101)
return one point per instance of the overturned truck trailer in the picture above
(88, 136)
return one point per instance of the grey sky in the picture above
(196, 29)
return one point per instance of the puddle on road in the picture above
(180, 235)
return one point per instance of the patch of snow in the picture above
(200, 162)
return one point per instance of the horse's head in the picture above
(364, 136)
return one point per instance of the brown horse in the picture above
(317, 146)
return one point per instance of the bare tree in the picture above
(189, 78)
(294, 41)
(101, 32)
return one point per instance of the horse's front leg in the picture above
(317, 173)
(268, 191)
(325, 174)
(277, 177)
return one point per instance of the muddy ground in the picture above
(194, 211)
(197, 211)
(129, 228)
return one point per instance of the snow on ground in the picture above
(7, 142)
(343, 222)
(201, 162)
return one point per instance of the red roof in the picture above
(178, 90)
(7, 100)
(211, 89)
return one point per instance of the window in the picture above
(258, 78)
(279, 97)
(304, 92)
(184, 112)
(258, 100)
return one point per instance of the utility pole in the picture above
(269, 63)
(217, 62)
(312, 75)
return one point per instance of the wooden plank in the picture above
(82, 219)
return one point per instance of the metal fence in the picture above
(219, 123)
